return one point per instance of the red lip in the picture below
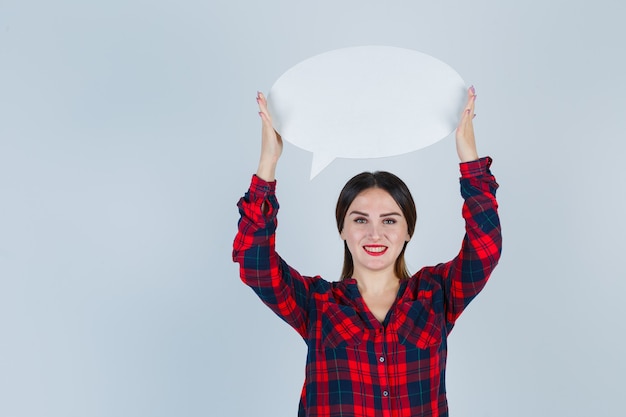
(381, 250)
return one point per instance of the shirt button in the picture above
(382, 359)
(385, 393)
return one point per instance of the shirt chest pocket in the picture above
(418, 323)
(341, 326)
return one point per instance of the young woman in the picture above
(377, 339)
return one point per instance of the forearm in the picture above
(280, 287)
(468, 273)
(267, 169)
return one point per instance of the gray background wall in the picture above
(128, 130)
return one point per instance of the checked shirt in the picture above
(357, 366)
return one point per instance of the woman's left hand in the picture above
(465, 141)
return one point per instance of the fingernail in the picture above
(472, 90)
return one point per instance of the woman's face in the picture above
(375, 231)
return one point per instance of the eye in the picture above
(389, 221)
(360, 220)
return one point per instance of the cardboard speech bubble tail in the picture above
(320, 161)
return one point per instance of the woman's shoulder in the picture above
(426, 279)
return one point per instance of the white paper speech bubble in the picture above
(366, 102)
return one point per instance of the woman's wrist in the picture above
(266, 171)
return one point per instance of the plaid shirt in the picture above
(357, 366)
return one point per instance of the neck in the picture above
(376, 282)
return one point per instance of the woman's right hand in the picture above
(271, 143)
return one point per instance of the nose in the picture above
(374, 231)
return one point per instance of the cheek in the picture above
(401, 237)
(350, 237)
(345, 234)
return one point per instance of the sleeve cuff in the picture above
(259, 186)
(475, 168)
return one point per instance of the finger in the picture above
(471, 99)
(465, 124)
(262, 100)
(267, 122)
(465, 116)
(263, 106)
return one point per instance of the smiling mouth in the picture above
(375, 250)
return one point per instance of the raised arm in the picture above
(278, 285)
(466, 275)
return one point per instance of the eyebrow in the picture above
(360, 213)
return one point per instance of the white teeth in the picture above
(375, 249)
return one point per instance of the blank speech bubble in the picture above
(366, 102)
